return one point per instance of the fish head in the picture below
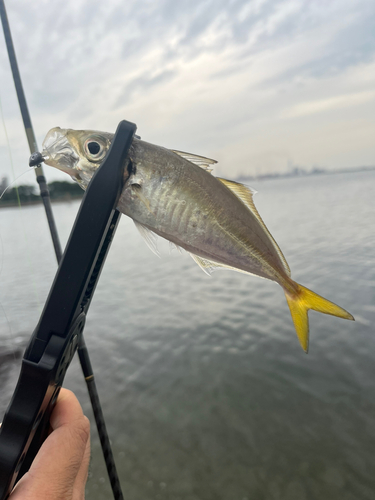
(79, 153)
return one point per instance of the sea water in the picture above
(206, 391)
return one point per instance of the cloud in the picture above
(240, 79)
(143, 84)
(333, 103)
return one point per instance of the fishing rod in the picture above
(20, 443)
(41, 180)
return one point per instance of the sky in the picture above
(261, 86)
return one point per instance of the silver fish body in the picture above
(174, 195)
(188, 206)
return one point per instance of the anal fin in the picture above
(209, 266)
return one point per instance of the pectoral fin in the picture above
(149, 236)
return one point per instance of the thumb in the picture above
(54, 471)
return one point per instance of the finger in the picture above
(81, 479)
(56, 466)
(67, 409)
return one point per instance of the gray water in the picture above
(205, 389)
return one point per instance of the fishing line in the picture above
(13, 182)
(1, 305)
(9, 151)
(1, 195)
(15, 178)
(11, 337)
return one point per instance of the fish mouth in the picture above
(58, 152)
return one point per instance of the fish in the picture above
(174, 195)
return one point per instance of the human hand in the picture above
(59, 471)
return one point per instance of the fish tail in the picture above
(303, 299)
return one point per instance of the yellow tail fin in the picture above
(300, 302)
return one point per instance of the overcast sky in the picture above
(259, 85)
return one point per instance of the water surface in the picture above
(205, 389)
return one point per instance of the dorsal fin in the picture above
(201, 161)
(245, 194)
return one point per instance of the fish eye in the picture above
(94, 149)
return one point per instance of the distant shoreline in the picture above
(69, 197)
(299, 172)
(60, 191)
(61, 199)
